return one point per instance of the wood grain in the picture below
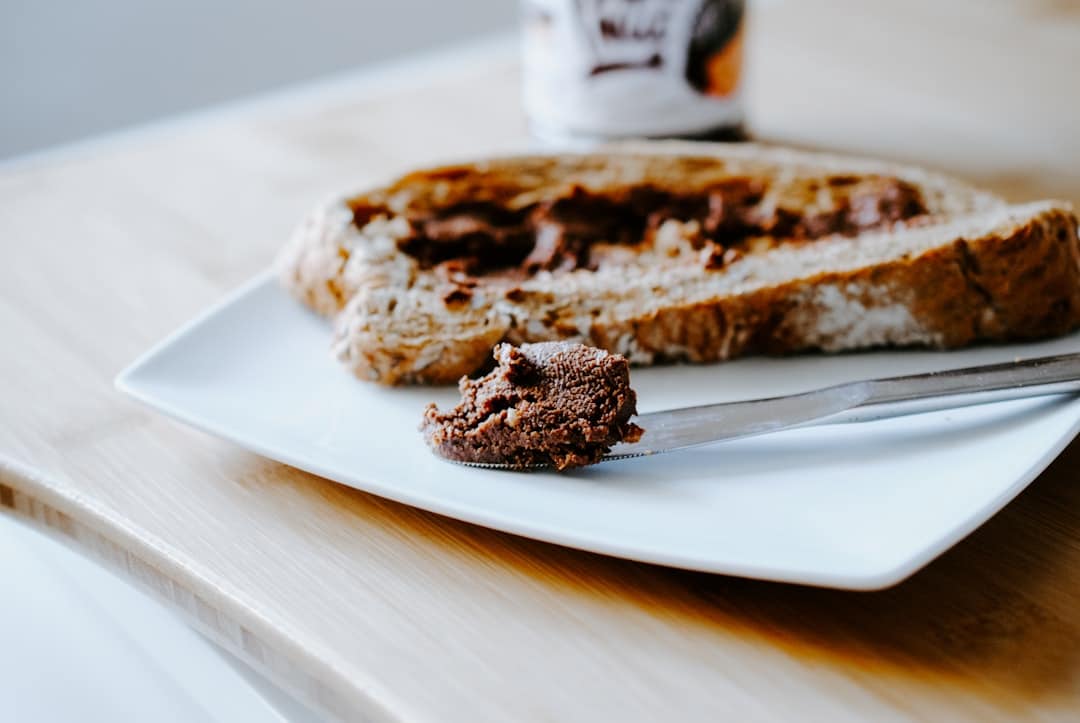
(371, 610)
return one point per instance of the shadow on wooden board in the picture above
(996, 614)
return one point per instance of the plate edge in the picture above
(122, 380)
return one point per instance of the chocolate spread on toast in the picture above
(483, 236)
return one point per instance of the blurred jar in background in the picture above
(598, 70)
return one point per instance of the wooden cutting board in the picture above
(371, 610)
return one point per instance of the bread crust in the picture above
(989, 289)
(980, 271)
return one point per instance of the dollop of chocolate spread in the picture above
(484, 236)
(553, 403)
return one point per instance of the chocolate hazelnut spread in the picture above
(486, 236)
(553, 403)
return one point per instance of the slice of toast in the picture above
(671, 251)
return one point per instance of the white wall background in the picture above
(75, 68)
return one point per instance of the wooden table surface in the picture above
(371, 610)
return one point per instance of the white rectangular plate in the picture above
(850, 506)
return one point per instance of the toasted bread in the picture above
(677, 252)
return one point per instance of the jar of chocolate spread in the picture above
(607, 69)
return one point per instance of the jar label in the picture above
(632, 67)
